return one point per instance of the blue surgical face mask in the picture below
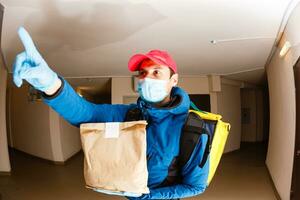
(152, 90)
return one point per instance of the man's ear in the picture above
(174, 79)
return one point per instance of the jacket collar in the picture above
(153, 112)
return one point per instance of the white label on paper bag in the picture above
(112, 130)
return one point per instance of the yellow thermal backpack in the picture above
(199, 122)
(218, 132)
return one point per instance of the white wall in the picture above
(65, 138)
(202, 85)
(123, 86)
(252, 99)
(30, 124)
(70, 139)
(226, 102)
(120, 87)
(282, 124)
(30, 127)
(260, 113)
(38, 130)
(55, 141)
(4, 157)
(248, 101)
(282, 109)
(229, 106)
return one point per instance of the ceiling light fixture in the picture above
(240, 39)
(285, 48)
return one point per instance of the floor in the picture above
(242, 175)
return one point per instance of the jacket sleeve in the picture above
(77, 110)
(194, 178)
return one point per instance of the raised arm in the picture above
(57, 93)
(77, 110)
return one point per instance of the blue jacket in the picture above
(163, 137)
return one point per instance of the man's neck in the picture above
(163, 102)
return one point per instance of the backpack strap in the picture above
(193, 106)
(190, 136)
(134, 114)
(191, 133)
(204, 129)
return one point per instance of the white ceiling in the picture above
(97, 37)
(256, 77)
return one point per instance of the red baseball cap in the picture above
(157, 56)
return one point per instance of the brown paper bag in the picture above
(115, 156)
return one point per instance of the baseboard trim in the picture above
(45, 160)
(5, 173)
(68, 160)
(58, 162)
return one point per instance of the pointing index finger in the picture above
(27, 41)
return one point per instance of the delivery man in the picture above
(163, 105)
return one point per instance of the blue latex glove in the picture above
(30, 65)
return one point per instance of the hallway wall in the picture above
(4, 157)
(224, 99)
(70, 139)
(38, 130)
(248, 103)
(30, 127)
(253, 111)
(282, 108)
(229, 106)
(54, 139)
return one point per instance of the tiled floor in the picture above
(242, 175)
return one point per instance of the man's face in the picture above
(154, 71)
